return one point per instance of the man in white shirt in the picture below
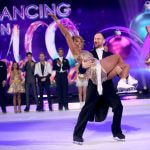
(43, 71)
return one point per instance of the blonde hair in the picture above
(86, 55)
(78, 37)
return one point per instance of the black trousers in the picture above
(44, 86)
(88, 109)
(2, 98)
(62, 89)
(30, 86)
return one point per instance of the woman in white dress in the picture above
(81, 83)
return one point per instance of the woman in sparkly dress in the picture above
(16, 86)
(97, 71)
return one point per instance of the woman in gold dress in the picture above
(16, 86)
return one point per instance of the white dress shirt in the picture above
(99, 52)
(61, 59)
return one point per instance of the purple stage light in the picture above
(120, 45)
(124, 42)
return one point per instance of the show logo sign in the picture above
(10, 26)
(31, 12)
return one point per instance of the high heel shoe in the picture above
(19, 109)
(15, 109)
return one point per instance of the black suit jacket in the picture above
(65, 65)
(109, 92)
(3, 72)
(28, 67)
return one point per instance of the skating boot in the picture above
(123, 86)
(132, 81)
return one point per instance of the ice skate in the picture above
(132, 81)
(119, 137)
(123, 86)
(78, 140)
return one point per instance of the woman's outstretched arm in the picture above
(66, 34)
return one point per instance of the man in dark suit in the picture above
(61, 66)
(30, 83)
(3, 77)
(96, 107)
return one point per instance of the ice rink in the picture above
(53, 130)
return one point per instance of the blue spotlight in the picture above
(142, 20)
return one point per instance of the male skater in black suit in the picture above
(96, 107)
(61, 66)
(3, 77)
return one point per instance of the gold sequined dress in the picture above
(16, 86)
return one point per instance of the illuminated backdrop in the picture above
(26, 26)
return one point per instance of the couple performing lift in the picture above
(99, 95)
